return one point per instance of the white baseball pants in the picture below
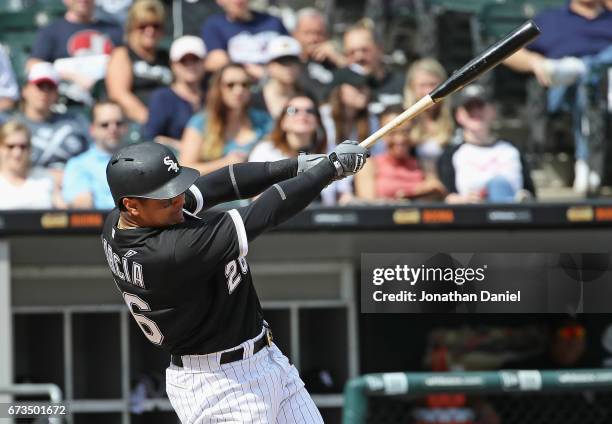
(261, 388)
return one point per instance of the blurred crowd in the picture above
(249, 88)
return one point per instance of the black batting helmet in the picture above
(147, 170)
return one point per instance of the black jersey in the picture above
(188, 285)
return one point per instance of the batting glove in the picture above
(348, 157)
(305, 161)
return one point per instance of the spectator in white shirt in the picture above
(21, 186)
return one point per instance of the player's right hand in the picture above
(348, 157)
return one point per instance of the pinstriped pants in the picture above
(261, 388)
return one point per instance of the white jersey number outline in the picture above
(232, 275)
(148, 326)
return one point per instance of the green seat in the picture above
(29, 19)
(22, 21)
(498, 19)
(463, 6)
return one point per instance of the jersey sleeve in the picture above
(217, 238)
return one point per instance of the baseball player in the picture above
(184, 276)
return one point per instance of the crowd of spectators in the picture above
(247, 88)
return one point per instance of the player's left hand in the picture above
(348, 157)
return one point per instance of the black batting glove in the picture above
(348, 157)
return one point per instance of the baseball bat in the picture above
(488, 59)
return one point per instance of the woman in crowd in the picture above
(297, 129)
(21, 186)
(139, 67)
(346, 117)
(171, 107)
(283, 70)
(227, 130)
(432, 129)
(396, 174)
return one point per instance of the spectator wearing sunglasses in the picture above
(283, 70)
(21, 186)
(171, 107)
(140, 67)
(84, 184)
(55, 137)
(228, 129)
(297, 129)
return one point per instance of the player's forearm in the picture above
(285, 199)
(240, 181)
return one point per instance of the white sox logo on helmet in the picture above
(172, 165)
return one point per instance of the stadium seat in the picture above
(22, 21)
(464, 6)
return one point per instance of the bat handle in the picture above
(422, 105)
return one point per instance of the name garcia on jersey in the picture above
(123, 268)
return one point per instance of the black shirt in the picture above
(387, 92)
(317, 79)
(187, 285)
(148, 76)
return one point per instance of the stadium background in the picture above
(65, 324)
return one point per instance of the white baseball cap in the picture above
(43, 71)
(283, 46)
(187, 44)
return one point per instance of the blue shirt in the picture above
(87, 173)
(565, 33)
(245, 42)
(66, 39)
(168, 114)
(261, 123)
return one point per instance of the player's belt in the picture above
(236, 354)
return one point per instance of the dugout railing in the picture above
(407, 387)
(51, 390)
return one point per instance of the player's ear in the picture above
(131, 205)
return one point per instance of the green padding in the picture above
(422, 383)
